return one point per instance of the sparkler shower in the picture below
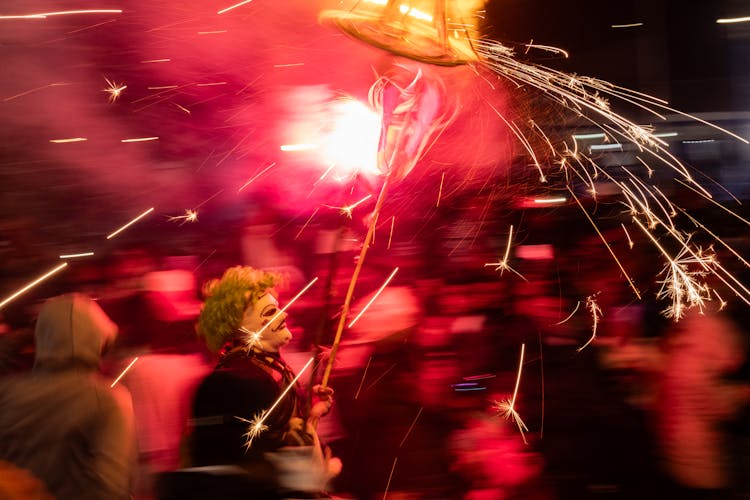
(364, 123)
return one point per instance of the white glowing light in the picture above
(352, 144)
(76, 255)
(589, 136)
(550, 201)
(731, 20)
(231, 7)
(298, 147)
(140, 139)
(44, 15)
(606, 147)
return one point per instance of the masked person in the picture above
(64, 422)
(241, 320)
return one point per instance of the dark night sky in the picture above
(680, 53)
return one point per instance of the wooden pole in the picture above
(353, 282)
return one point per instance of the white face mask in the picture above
(256, 317)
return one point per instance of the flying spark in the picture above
(257, 425)
(27, 92)
(596, 313)
(307, 222)
(256, 176)
(231, 7)
(44, 15)
(76, 255)
(136, 219)
(390, 233)
(627, 235)
(507, 407)
(440, 189)
(630, 25)
(589, 99)
(348, 209)
(502, 265)
(32, 284)
(122, 374)
(114, 89)
(190, 216)
(140, 139)
(374, 297)
(683, 285)
(65, 141)
(575, 310)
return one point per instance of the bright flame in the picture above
(352, 143)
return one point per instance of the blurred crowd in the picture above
(621, 403)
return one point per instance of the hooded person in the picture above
(241, 321)
(63, 422)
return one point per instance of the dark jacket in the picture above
(242, 387)
(63, 422)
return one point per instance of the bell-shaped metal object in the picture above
(432, 31)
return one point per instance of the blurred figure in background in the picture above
(169, 368)
(375, 406)
(494, 462)
(122, 295)
(696, 401)
(262, 241)
(64, 422)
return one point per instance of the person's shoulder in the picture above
(243, 366)
(236, 374)
(111, 395)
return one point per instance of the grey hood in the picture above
(71, 330)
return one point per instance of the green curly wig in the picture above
(226, 301)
